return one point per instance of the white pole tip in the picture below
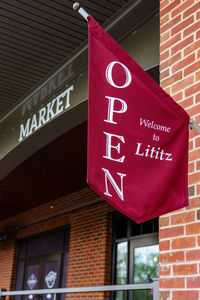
(76, 6)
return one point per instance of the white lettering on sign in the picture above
(117, 106)
(109, 77)
(42, 113)
(46, 113)
(24, 130)
(116, 110)
(111, 110)
(153, 125)
(109, 146)
(152, 152)
(118, 190)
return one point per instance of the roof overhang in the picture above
(73, 72)
(26, 163)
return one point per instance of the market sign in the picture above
(137, 134)
(46, 113)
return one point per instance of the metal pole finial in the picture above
(77, 7)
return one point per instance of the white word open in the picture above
(115, 106)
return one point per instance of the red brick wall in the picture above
(180, 77)
(90, 248)
(90, 239)
(8, 250)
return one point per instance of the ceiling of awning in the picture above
(38, 35)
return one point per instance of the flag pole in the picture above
(194, 125)
(77, 7)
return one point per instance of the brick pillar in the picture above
(8, 250)
(180, 77)
(90, 250)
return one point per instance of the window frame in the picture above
(142, 240)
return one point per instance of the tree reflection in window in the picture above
(136, 256)
(145, 263)
(121, 268)
(145, 268)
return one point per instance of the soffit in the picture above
(56, 170)
(59, 168)
(38, 35)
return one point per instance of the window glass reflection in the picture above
(142, 295)
(146, 263)
(121, 268)
(136, 257)
(121, 274)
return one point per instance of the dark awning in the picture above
(38, 38)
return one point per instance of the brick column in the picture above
(90, 250)
(180, 77)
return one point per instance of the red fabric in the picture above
(136, 133)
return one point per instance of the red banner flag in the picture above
(137, 134)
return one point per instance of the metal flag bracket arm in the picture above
(77, 7)
(194, 125)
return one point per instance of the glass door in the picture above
(42, 272)
(144, 265)
(121, 268)
(50, 274)
(32, 278)
(42, 263)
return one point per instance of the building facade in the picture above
(179, 76)
(55, 231)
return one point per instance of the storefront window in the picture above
(145, 263)
(121, 268)
(136, 256)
